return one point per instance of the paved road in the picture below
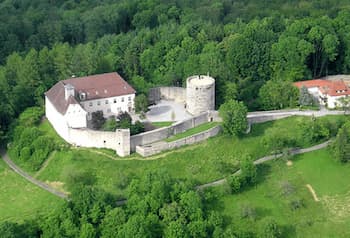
(19, 171)
(296, 112)
(264, 159)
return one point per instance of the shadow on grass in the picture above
(288, 231)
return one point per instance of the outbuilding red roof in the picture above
(95, 87)
(329, 87)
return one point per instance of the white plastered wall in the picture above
(75, 116)
(110, 106)
(57, 120)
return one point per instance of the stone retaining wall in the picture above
(165, 132)
(155, 148)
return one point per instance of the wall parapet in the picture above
(155, 148)
(165, 132)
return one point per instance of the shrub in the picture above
(141, 103)
(31, 116)
(314, 130)
(341, 144)
(235, 183)
(268, 228)
(277, 139)
(137, 128)
(248, 212)
(110, 124)
(97, 120)
(248, 171)
(296, 204)
(287, 188)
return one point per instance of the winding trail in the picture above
(38, 183)
(264, 159)
(50, 189)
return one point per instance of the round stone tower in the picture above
(200, 94)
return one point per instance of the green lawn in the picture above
(330, 217)
(200, 163)
(213, 159)
(20, 200)
(192, 131)
(162, 123)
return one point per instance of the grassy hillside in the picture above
(328, 217)
(199, 163)
(21, 200)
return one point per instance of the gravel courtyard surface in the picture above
(166, 110)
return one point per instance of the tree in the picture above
(268, 228)
(141, 103)
(345, 103)
(234, 116)
(231, 91)
(278, 94)
(110, 124)
(306, 98)
(289, 58)
(314, 130)
(341, 144)
(278, 139)
(97, 119)
(124, 120)
(248, 170)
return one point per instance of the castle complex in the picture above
(69, 104)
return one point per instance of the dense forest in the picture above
(243, 44)
(253, 49)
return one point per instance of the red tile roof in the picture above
(329, 87)
(95, 87)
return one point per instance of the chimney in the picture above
(68, 91)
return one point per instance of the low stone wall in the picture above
(151, 149)
(165, 132)
(177, 94)
(214, 116)
(266, 118)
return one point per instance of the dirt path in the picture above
(45, 164)
(264, 159)
(312, 191)
(211, 184)
(38, 183)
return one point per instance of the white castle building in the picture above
(69, 103)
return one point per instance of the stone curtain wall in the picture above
(177, 94)
(148, 150)
(118, 140)
(91, 138)
(165, 132)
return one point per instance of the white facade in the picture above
(110, 106)
(325, 99)
(57, 120)
(75, 116)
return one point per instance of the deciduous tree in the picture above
(234, 116)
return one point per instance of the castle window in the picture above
(129, 99)
(115, 100)
(90, 104)
(82, 96)
(106, 102)
(122, 99)
(98, 103)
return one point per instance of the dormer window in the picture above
(82, 96)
